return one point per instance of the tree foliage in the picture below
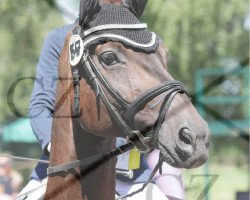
(23, 26)
(199, 33)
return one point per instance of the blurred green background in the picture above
(208, 43)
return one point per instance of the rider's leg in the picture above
(170, 181)
(34, 190)
(151, 192)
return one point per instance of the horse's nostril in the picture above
(184, 144)
(185, 136)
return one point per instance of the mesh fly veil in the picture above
(118, 24)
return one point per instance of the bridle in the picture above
(125, 121)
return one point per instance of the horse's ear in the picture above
(135, 6)
(88, 9)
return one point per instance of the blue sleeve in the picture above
(42, 100)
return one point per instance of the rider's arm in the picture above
(170, 181)
(42, 100)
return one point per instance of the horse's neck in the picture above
(65, 185)
(70, 144)
(96, 176)
(88, 144)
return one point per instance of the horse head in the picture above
(126, 89)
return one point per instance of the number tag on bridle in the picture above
(75, 49)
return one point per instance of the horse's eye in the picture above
(109, 58)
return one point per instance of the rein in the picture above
(96, 159)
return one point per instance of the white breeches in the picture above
(34, 190)
(151, 192)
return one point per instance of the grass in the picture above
(225, 180)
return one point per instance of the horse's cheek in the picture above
(94, 115)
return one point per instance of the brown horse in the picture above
(133, 72)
